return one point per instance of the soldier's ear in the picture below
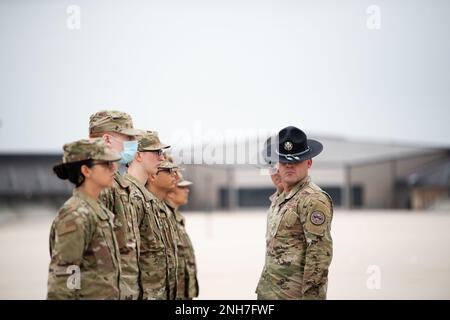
(86, 171)
(170, 195)
(107, 138)
(138, 156)
(151, 177)
(309, 163)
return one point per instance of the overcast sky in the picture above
(225, 65)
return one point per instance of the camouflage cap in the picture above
(149, 141)
(182, 182)
(170, 159)
(166, 164)
(112, 121)
(85, 149)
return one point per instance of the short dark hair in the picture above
(72, 171)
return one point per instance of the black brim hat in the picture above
(294, 146)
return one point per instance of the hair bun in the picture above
(61, 171)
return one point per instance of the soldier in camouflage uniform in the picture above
(155, 250)
(276, 180)
(85, 258)
(116, 129)
(159, 185)
(187, 287)
(299, 245)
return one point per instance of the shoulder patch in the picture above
(317, 218)
(67, 227)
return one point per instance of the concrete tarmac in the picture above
(377, 254)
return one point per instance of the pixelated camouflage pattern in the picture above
(273, 201)
(179, 168)
(126, 227)
(171, 240)
(182, 182)
(149, 141)
(82, 235)
(169, 158)
(153, 248)
(299, 251)
(165, 164)
(85, 149)
(187, 285)
(112, 121)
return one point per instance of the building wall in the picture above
(210, 180)
(331, 176)
(207, 180)
(31, 176)
(377, 184)
(407, 165)
(378, 179)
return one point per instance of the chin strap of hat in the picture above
(293, 156)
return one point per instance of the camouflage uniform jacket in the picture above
(273, 200)
(85, 258)
(187, 287)
(153, 248)
(117, 199)
(299, 245)
(172, 240)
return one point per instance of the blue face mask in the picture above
(129, 151)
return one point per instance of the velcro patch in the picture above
(317, 218)
(67, 227)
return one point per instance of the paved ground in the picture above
(378, 254)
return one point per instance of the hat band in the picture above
(293, 156)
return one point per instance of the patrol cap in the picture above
(112, 121)
(149, 141)
(88, 149)
(182, 182)
(169, 158)
(166, 164)
(294, 146)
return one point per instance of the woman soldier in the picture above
(84, 253)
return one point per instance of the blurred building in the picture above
(28, 178)
(429, 185)
(357, 174)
